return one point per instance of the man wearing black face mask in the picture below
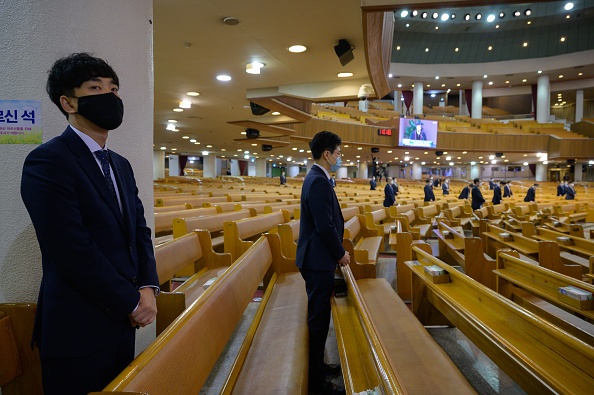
(99, 278)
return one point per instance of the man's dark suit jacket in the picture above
(372, 185)
(561, 190)
(94, 257)
(389, 196)
(321, 225)
(507, 192)
(496, 194)
(464, 193)
(477, 198)
(569, 193)
(445, 187)
(283, 179)
(429, 195)
(530, 195)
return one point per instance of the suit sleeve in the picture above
(50, 192)
(321, 202)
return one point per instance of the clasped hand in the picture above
(146, 312)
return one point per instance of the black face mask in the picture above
(105, 110)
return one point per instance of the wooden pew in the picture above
(20, 368)
(195, 201)
(380, 221)
(350, 212)
(458, 217)
(538, 294)
(528, 348)
(181, 358)
(571, 244)
(164, 221)
(238, 235)
(363, 246)
(495, 238)
(381, 344)
(192, 255)
(428, 214)
(289, 233)
(570, 213)
(172, 208)
(409, 223)
(213, 223)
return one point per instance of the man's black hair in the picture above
(476, 180)
(71, 71)
(323, 141)
(428, 181)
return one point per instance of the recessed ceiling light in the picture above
(414, 13)
(466, 17)
(434, 15)
(344, 75)
(428, 85)
(399, 85)
(457, 49)
(490, 48)
(524, 80)
(490, 82)
(390, 75)
(567, 17)
(192, 93)
(539, 71)
(529, 23)
(185, 104)
(562, 39)
(561, 76)
(478, 16)
(568, 6)
(502, 15)
(528, 12)
(433, 95)
(580, 73)
(426, 49)
(404, 14)
(254, 67)
(457, 84)
(209, 146)
(436, 27)
(171, 121)
(424, 15)
(507, 82)
(485, 76)
(525, 44)
(443, 85)
(408, 25)
(453, 16)
(163, 148)
(436, 77)
(445, 17)
(496, 26)
(192, 140)
(398, 48)
(275, 113)
(223, 77)
(297, 48)
(517, 13)
(490, 18)
(173, 149)
(178, 109)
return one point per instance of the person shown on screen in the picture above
(419, 134)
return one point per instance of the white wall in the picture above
(36, 33)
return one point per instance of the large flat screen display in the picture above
(420, 133)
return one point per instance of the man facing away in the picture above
(389, 194)
(318, 252)
(465, 193)
(507, 191)
(372, 184)
(445, 187)
(531, 193)
(570, 192)
(283, 178)
(477, 196)
(497, 193)
(428, 189)
(99, 279)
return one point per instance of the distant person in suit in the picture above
(477, 196)
(318, 252)
(491, 184)
(570, 192)
(372, 184)
(561, 189)
(99, 279)
(531, 193)
(507, 191)
(465, 193)
(445, 187)
(428, 189)
(496, 194)
(419, 133)
(389, 195)
(395, 187)
(283, 178)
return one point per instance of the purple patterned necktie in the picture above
(103, 156)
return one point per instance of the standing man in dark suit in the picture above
(395, 187)
(507, 192)
(318, 252)
(428, 189)
(561, 189)
(570, 192)
(445, 187)
(99, 278)
(496, 194)
(465, 193)
(283, 178)
(531, 193)
(491, 184)
(477, 196)
(389, 194)
(372, 184)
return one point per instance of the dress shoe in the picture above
(326, 388)
(331, 370)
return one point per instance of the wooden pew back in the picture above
(212, 223)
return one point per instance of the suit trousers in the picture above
(319, 286)
(88, 373)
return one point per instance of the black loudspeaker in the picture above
(498, 154)
(266, 147)
(258, 109)
(375, 150)
(570, 161)
(252, 133)
(344, 51)
(438, 153)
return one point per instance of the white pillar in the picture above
(234, 167)
(418, 98)
(477, 100)
(543, 99)
(341, 172)
(363, 170)
(541, 173)
(158, 165)
(260, 167)
(251, 167)
(292, 170)
(397, 102)
(173, 165)
(208, 166)
(475, 172)
(417, 171)
(577, 172)
(579, 105)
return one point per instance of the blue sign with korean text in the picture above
(20, 122)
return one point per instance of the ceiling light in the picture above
(436, 77)
(433, 95)
(525, 163)
(524, 80)
(453, 16)
(223, 77)
(502, 15)
(436, 27)
(390, 75)
(529, 23)
(253, 68)
(448, 158)
(539, 71)
(359, 148)
(406, 158)
(185, 104)
(528, 12)
(478, 16)
(525, 44)
(404, 14)
(185, 137)
(443, 86)
(414, 13)
(163, 148)
(507, 82)
(545, 162)
(408, 24)
(434, 15)
(398, 48)
(496, 26)
(173, 149)
(457, 84)
(580, 73)
(493, 162)
(562, 39)
(192, 93)
(568, 16)
(192, 140)
(466, 17)
(445, 17)
(472, 163)
(485, 76)
(399, 85)
(171, 121)
(456, 50)
(178, 109)
(568, 6)
(344, 75)
(297, 48)
(275, 113)
(426, 49)
(561, 76)
(490, 82)
(170, 126)
(428, 85)
(517, 13)
(424, 15)
(490, 18)
(490, 48)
